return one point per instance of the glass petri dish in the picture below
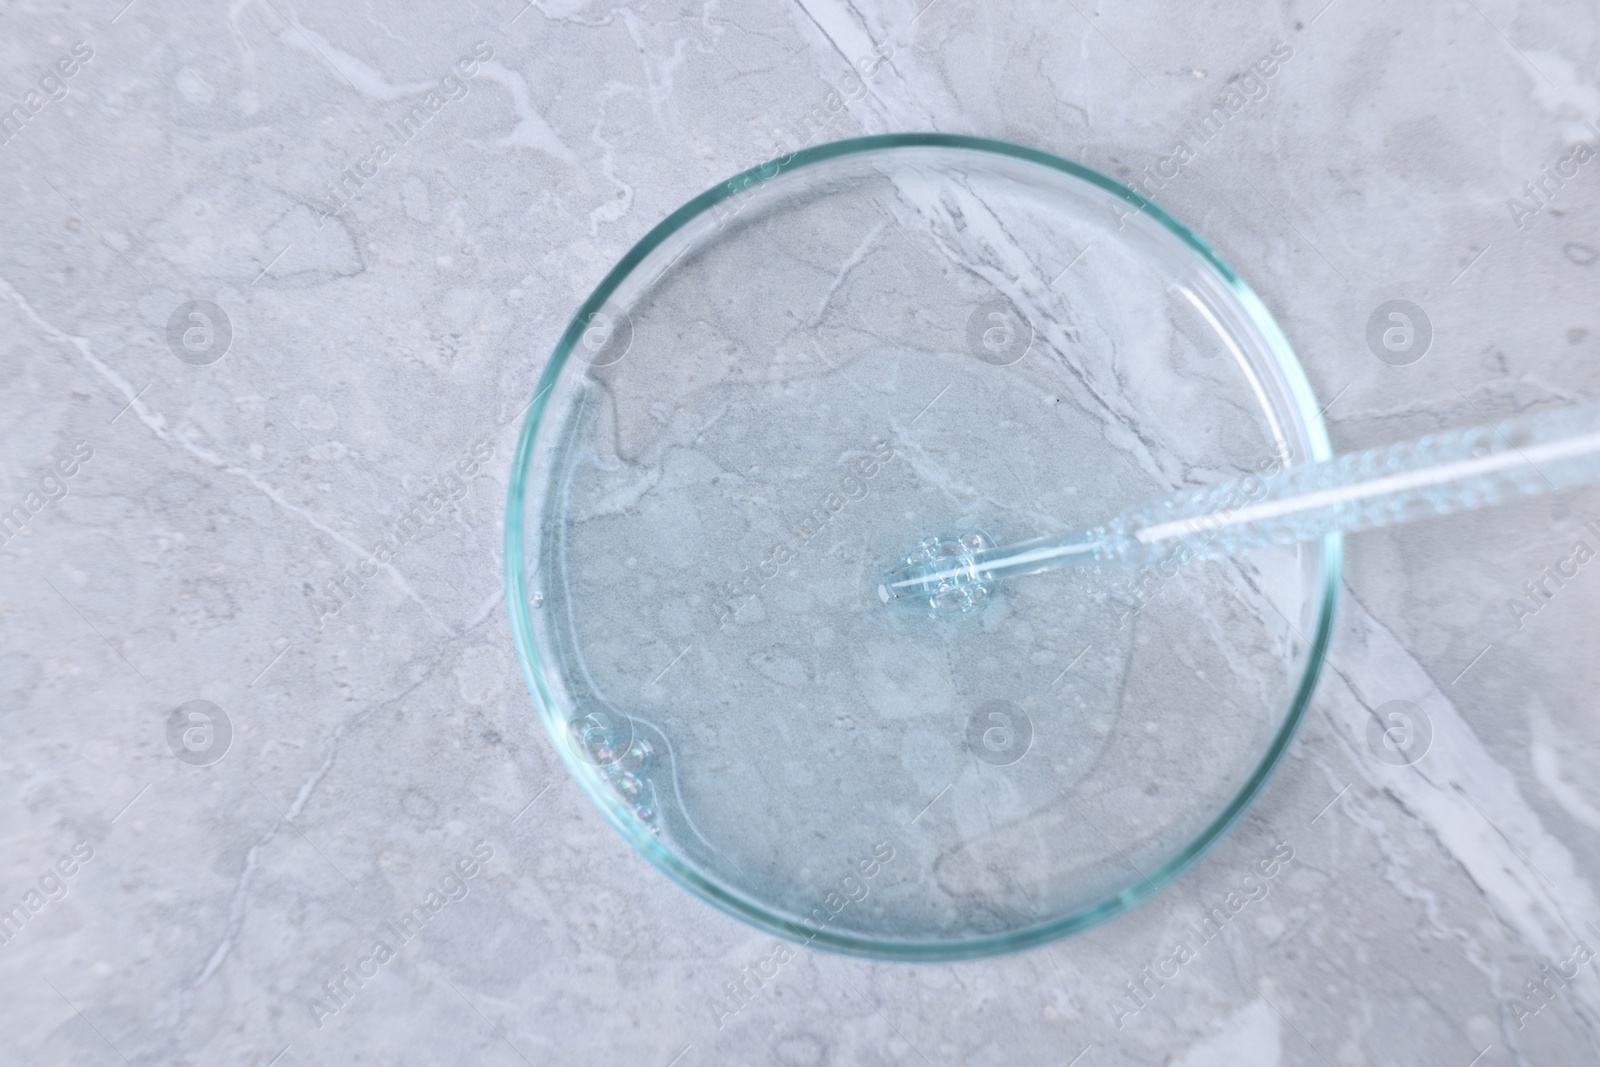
(789, 384)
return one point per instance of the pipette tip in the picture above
(941, 574)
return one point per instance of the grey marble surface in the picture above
(186, 497)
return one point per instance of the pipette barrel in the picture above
(1438, 474)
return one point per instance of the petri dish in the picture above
(799, 377)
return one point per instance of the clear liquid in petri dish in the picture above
(884, 354)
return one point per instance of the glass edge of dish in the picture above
(1292, 377)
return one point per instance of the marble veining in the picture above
(231, 540)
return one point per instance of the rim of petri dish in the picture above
(742, 905)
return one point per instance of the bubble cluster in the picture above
(609, 743)
(945, 573)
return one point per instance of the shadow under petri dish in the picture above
(797, 378)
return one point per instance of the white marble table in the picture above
(193, 505)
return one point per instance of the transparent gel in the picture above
(914, 346)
